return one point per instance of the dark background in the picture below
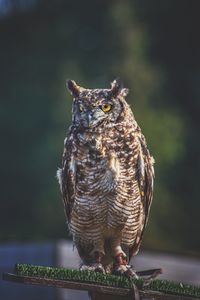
(154, 47)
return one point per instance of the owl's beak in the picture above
(92, 118)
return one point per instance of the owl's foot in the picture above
(125, 270)
(95, 267)
(121, 267)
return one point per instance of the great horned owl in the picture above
(106, 178)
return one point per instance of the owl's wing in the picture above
(145, 177)
(67, 178)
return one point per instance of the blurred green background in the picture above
(154, 47)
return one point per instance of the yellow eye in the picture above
(106, 107)
(81, 108)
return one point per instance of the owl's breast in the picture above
(93, 173)
(105, 184)
(105, 161)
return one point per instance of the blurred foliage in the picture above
(153, 48)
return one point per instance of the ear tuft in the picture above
(73, 87)
(117, 88)
(124, 92)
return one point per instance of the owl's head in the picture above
(97, 107)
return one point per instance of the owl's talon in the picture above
(99, 269)
(130, 273)
(122, 268)
(96, 267)
(125, 270)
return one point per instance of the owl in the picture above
(106, 179)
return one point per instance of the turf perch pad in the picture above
(164, 286)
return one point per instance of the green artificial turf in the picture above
(164, 286)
